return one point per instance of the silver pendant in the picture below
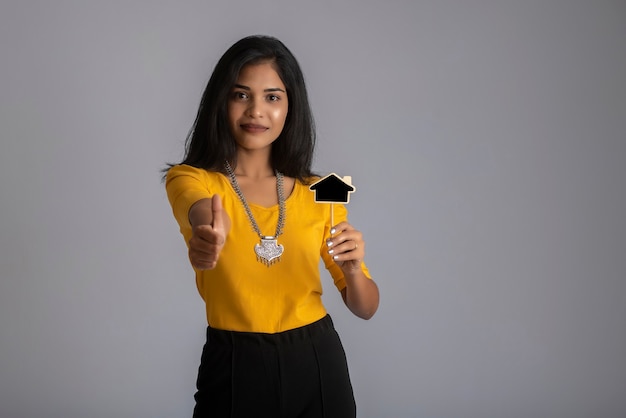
(268, 251)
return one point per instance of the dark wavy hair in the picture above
(210, 142)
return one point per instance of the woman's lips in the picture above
(250, 127)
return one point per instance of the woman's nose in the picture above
(255, 109)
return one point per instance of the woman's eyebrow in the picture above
(241, 86)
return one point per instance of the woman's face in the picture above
(257, 107)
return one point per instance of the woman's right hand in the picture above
(210, 226)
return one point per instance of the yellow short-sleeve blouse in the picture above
(242, 294)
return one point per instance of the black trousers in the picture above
(300, 373)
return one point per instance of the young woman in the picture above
(255, 236)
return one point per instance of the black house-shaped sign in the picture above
(332, 189)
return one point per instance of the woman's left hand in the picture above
(347, 247)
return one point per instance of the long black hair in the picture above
(210, 143)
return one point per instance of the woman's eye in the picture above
(273, 98)
(240, 95)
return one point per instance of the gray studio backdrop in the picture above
(486, 140)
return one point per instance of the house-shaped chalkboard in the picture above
(332, 189)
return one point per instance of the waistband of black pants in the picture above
(317, 328)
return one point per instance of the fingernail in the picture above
(329, 243)
(331, 251)
(333, 230)
(336, 258)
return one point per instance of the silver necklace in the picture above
(268, 251)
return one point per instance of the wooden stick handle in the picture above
(332, 217)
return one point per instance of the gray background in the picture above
(486, 140)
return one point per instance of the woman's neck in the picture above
(253, 165)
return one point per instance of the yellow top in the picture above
(242, 294)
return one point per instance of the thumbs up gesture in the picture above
(209, 225)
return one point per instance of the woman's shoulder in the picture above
(304, 184)
(187, 173)
(309, 180)
(304, 193)
(189, 170)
